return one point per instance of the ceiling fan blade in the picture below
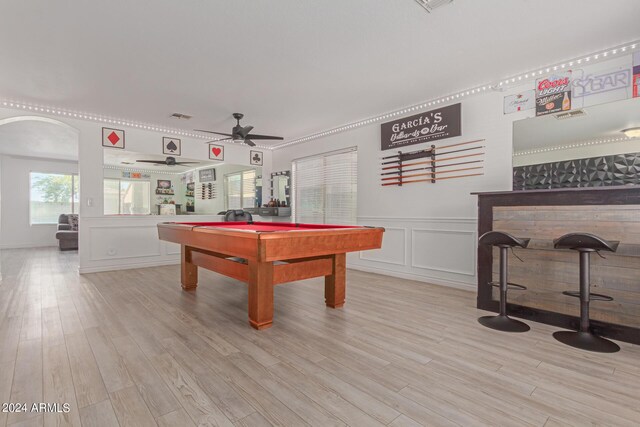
(218, 140)
(253, 136)
(158, 162)
(210, 131)
(245, 131)
(249, 142)
(186, 163)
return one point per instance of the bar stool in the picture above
(585, 244)
(504, 241)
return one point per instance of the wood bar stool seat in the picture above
(584, 338)
(504, 241)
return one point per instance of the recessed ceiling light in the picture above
(632, 132)
(181, 116)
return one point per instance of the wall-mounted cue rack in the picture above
(432, 165)
(206, 191)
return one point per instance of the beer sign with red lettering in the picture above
(553, 94)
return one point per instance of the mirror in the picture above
(579, 148)
(595, 123)
(281, 187)
(157, 187)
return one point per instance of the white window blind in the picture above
(241, 189)
(325, 188)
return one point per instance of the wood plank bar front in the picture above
(611, 212)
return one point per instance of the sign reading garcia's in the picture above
(431, 125)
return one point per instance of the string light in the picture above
(110, 121)
(435, 101)
(475, 90)
(574, 145)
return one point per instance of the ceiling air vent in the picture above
(181, 116)
(430, 5)
(570, 114)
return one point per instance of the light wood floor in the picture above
(131, 348)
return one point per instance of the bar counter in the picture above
(612, 213)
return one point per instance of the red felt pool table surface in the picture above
(266, 226)
(264, 254)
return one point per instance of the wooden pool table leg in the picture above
(334, 284)
(260, 294)
(188, 271)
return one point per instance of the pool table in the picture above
(265, 254)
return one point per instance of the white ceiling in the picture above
(36, 138)
(294, 67)
(600, 121)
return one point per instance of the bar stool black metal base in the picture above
(503, 323)
(586, 341)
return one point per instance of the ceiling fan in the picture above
(169, 161)
(241, 134)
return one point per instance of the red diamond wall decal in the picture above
(113, 138)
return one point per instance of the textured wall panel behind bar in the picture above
(619, 169)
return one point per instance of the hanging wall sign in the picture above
(216, 152)
(445, 122)
(207, 175)
(553, 94)
(112, 138)
(171, 146)
(255, 158)
(135, 175)
(520, 102)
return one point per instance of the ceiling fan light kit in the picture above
(169, 161)
(239, 134)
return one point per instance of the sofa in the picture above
(67, 233)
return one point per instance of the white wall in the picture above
(108, 243)
(430, 228)
(219, 204)
(179, 187)
(15, 228)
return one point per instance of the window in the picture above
(52, 194)
(125, 197)
(241, 189)
(325, 188)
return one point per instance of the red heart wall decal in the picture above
(216, 151)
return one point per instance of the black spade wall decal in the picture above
(171, 146)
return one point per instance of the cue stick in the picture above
(431, 167)
(431, 161)
(428, 180)
(430, 173)
(430, 148)
(437, 154)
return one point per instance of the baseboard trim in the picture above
(26, 245)
(147, 264)
(420, 278)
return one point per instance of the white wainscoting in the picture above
(124, 241)
(394, 248)
(441, 251)
(117, 243)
